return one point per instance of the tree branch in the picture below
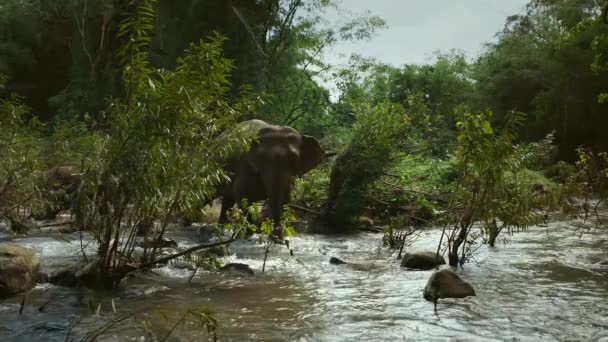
(188, 251)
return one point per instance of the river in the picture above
(543, 285)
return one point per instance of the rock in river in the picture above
(238, 268)
(18, 269)
(336, 261)
(422, 260)
(447, 284)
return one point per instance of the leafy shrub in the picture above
(560, 172)
(310, 191)
(381, 132)
(538, 155)
(159, 151)
(20, 148)
(586, 190)
(491, 191)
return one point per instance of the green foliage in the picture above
(431, 91)
(491, 191)
(298, 37)
(539, 154)
(586, 189)
(532, 67)
(380, 133)
(560, 172)
(399, 233)
(310, 191)
(159, 152)
(20, 149)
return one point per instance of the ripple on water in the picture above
(540, 286)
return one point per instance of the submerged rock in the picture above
(447, 284)
(207, 232)
(144, 290)
(162, 243)
(183, 265)
(336, 261)
(422, 260)
(77, 274)
(238, 268)
(219, 251)
(18, 269)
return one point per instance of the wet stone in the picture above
(422, 260)
(144, 290)
(447, 284)
(336, 261)
(237, 268)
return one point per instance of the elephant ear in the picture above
(311, 154)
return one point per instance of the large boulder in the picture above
(18, 269)
(422, 260)
(446, 284)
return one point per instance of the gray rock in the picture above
(81, 273)
(336, 261)
(422, 260)
(183, 265)
(207, 232)
(446, 284)
(237, 268)
(144, 290)
(18, 269)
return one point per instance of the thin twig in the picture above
(305, 209)
(22, 304)
(67, 336)
(192, 275)
(179, 321)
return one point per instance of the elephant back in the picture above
(271, 134)
(65, 176)
(247, 130)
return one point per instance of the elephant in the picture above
(266, 171)
(62, 183)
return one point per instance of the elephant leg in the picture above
(227, 204)
(278, 198)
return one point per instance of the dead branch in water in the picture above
(188, 251)
(57, 224)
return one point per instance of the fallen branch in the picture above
(187, 251)
(18, 226)
(434, 196)
(304, 209)
(57, 224)
(373, 229)
(404, 209)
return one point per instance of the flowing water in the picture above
(542, 286)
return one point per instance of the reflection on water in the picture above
(544, 285)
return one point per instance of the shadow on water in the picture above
(546, 284)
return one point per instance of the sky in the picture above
(418, 28)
